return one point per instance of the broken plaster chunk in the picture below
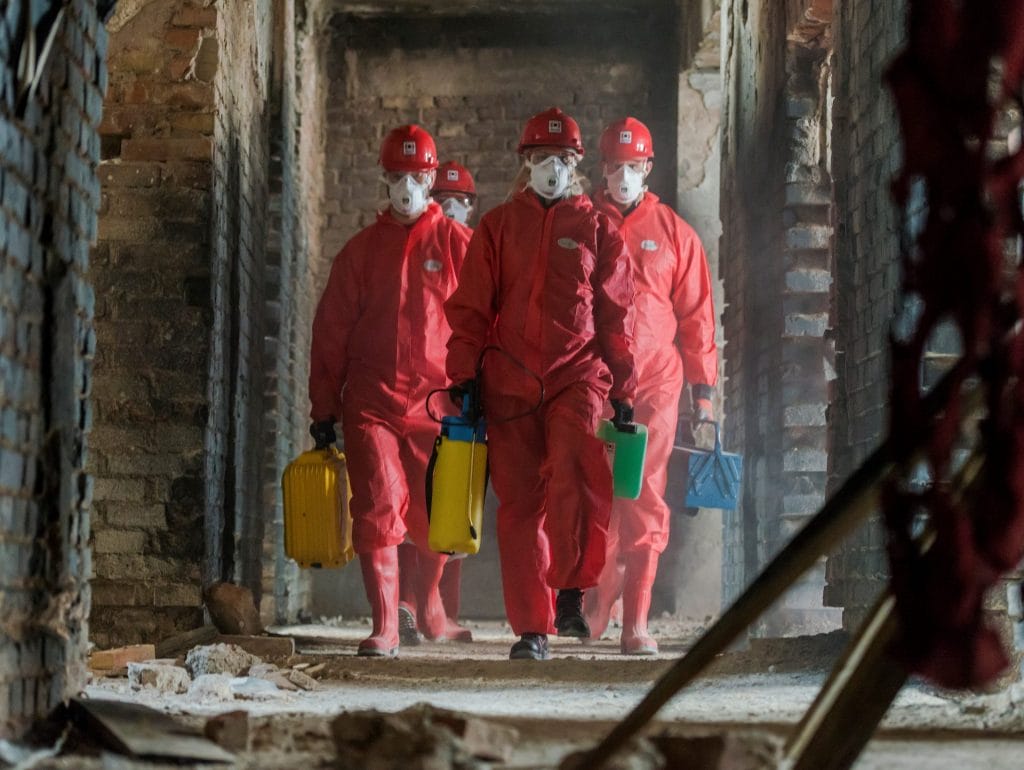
(302, 680)
(211, 687)
(158, 676)
(254, 688)
(232, 609)
(219, 659)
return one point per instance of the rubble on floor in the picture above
(232, 609)
(212, 672)
(419, 738)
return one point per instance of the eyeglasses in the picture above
(568, 157)
(639, 166)
(394, 177)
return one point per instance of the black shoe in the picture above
(407, 631)
(530, 647)
(569, 620)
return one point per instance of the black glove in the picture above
(323, 433)
(622, 414)
(468, 388)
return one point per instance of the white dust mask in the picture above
(408, 196)
(625, 185)
(455, 209)
(550, 178)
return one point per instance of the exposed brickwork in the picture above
(474, 98)
(776, 263)
(180, 269)
(234, 455)
(866, 142)
(293, 247)
(151, 269)
(48, 200)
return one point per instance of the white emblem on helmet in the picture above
(408, 148)
(453, 175)
(641, 146)
(625, 137)
(554, 126)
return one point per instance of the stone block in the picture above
(158, 676)
(808, 280)
(192, 148)
(806, 325)
(218, 659)
(119, 541)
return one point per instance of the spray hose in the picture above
(480, 405)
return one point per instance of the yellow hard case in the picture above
(317, 521)
(457, 496)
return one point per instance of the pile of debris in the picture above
(228, 660)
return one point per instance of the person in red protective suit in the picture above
(378, 349)
(547, 282)
(455, 192)
(675, 343)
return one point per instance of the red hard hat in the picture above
(452, 177)
(626, 139)
(408, 148)
(551, 128)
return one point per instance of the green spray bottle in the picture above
(627, 448)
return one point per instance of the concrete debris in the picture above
(229, 730)
(219, 659)
(254, 688)
(420, 738)
(302, 680)
(639, 754)
(733, 750)
(215, 687)
(159, 676)
(263, 669)
(232, 609)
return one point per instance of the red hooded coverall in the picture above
(552, 288)
(379, 339)
(674, 343)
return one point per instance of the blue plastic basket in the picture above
(714, 477)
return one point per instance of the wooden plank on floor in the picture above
(260, 646)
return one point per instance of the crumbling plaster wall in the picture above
(49, 150)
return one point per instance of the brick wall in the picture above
(180, 271)
(48, 199)
(776, 264)
(866, 158)
(151, 268)
(292, 280)
(234, 454)
(473, 82)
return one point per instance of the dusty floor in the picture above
(569, 702)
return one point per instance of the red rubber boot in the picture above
(641, 567)
(408, 574)
(599, 601)
(430, 616)
(451, 595)
(380, 577)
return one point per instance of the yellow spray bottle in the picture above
(457, 482)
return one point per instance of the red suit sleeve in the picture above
(472, 307)
(335, 318)
(695, 310)
(614, 313)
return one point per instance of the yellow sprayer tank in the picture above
(317, 521)
(458, 484)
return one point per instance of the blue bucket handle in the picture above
(718, 434)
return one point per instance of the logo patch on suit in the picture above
(432, 266)
(649, 245)
(568, 243)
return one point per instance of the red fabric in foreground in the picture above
(942, 84)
